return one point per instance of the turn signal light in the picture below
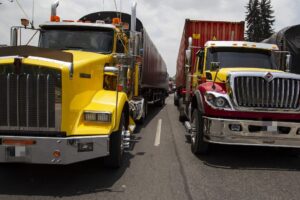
(116, 21)
(56, 154)
(55, 19)
(18, 142)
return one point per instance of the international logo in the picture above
(268, 77)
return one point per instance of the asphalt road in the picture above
(162, 168)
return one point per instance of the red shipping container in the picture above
(201, 32)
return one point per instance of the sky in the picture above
(163, 19)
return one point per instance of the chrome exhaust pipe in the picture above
(133, 17)
(54, 7)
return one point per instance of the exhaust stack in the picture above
(54, 17)
(133, 17)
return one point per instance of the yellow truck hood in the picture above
(223, 73)
(80, 58)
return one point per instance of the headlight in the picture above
(97, 116)
(220, 102)
(216, 100)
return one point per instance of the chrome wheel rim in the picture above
(123, 132)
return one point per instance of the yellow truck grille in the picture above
(30, 101)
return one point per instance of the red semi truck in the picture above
(200, 31)
(233, 92)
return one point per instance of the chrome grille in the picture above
(257, 92)
(30, 100)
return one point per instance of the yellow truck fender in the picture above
(105, 101)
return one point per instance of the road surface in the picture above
(161, 166)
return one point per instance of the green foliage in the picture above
(260, 19)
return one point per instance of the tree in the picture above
(254, 21)
(267, 18)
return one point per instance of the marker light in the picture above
(56, 154)
(25, 22)
(55, 19)
(18, 142)
(116, 21)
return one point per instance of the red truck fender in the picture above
(198, 102)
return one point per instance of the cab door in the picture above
(199, 75)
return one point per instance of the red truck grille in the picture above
(259, 92)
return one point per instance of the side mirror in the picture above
(111, 69)
(288, 62)
(190, 40)
(214, 66)
(188, 55)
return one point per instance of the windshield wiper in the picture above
(72, 47)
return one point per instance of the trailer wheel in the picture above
(116, 147)
(162, 101)
(198, 145)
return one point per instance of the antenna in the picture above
(19, 5)
(32, 20)
(121, 10)
(116, 6)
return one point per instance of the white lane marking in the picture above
(158, 132)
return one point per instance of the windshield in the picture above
(98, 40)
(241, 57)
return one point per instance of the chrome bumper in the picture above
(52, 150)
(252, 133)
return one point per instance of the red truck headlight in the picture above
(218, 100)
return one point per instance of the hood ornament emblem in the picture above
(268, 77)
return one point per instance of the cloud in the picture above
(163, 20)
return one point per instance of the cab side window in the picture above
(120, 46)
(110, 82)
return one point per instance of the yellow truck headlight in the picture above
(97, 116)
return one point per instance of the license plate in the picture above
(17, 153)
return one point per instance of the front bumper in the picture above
(52, 150)
(252, 133)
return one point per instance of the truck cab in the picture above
(239, 97)
(67, 100)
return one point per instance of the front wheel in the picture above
(181, 108)
(198, 145)
(176, 101)
(116, 147)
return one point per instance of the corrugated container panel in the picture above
(154, 71)
(201, 32)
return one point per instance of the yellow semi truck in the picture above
(77, 95)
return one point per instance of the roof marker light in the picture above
(116, 21)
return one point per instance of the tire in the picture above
(176, 99)
(116, 150)
(198, 145)
(162, 101)
(182, 117)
